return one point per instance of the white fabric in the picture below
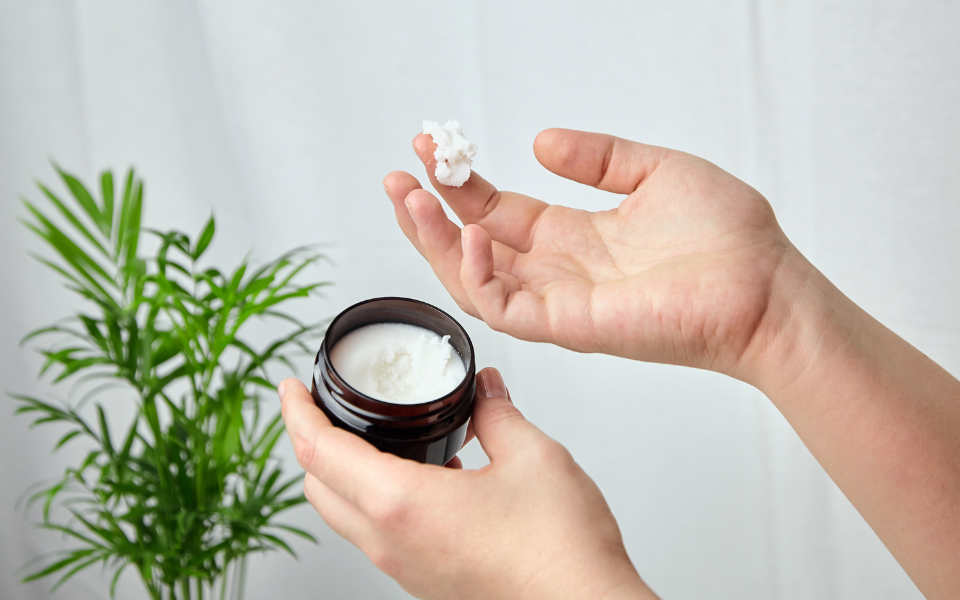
(843, 114)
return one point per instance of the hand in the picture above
(681, 272)
(529, 525)
(693, 269)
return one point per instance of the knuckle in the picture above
(465, 305)
(503, 411)
(385, 560)
(306, 452)
(389, 512)
(491, 203)
(550, 452)
(394, 510)
(307, 490)
(495, 324)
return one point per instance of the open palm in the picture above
(681, 272)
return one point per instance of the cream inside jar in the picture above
(398, 363)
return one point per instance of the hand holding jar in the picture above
(529, 525)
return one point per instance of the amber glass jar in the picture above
(430, 432)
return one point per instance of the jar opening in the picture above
(398, 310)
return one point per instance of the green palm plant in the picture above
(186, 490)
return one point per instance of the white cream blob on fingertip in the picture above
(454, 152)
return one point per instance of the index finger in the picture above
(345, 463)
(508, 217)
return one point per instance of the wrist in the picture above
(606, 574)
(808, 323)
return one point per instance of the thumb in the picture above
(603, 161)
(499, 426)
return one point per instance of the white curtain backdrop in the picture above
(282, 118)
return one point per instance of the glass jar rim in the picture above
(373, 406)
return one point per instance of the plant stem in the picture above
(224, 579)
(155, 592)
(242, 580)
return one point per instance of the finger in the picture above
(342, 461)
(501, 429)
(341, 516)
(471, 434)
(603, 161)
(440, 244)
(398, 186)
(454, 463)
(509, 217)
(497, 295)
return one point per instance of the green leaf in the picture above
(260, 381)
(297, 531)
(282, 544)
(82, 196)
(60, 270)
(205, 238)
(132, 239)
(105, 432)
(106, 190)
(116, 578)
(93, 330)
(41, 331)
(68, 249)
(284, 487)
(126, 207)
(66, 438)
(72, 366)
(79, 567)
(73, 557)
(66, 212)
(71, 533)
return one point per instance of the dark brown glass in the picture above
(431, 432)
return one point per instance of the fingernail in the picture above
(491, 384)
(386, 189)
(280, 390)
(406, 202)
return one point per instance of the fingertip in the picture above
(398, 184)
(417, 199)
(561, 150)
(490, 384)
(424, 147)
(290, 384)
(454, 463)
(547, 138)
(475, 236)
(295, 397)
(500, 427)
(422, 206)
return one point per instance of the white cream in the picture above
(454, 152)
(398, 363)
